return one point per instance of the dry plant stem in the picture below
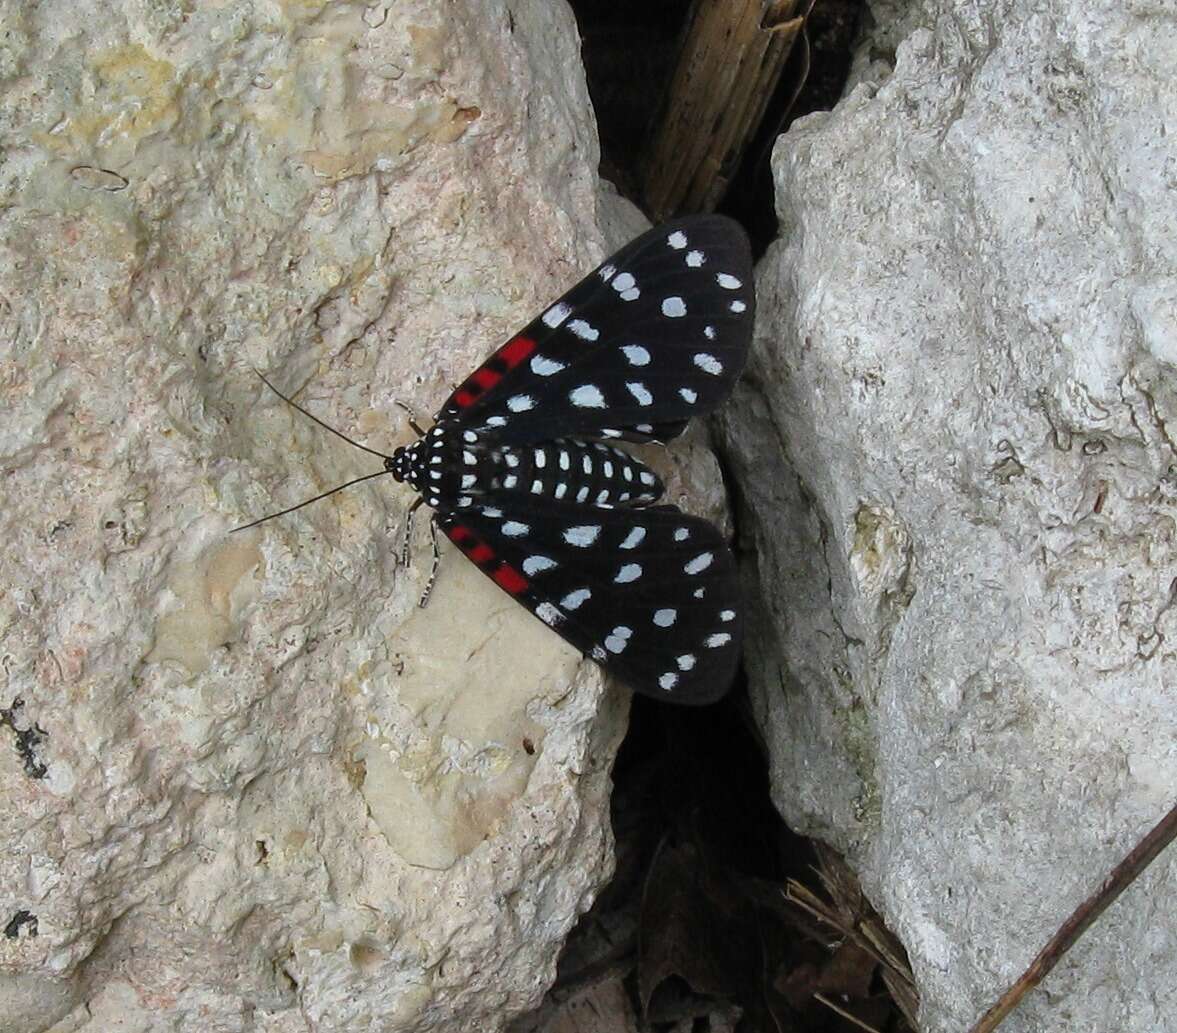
(733, 54)
(863, 931)
(1084, 915)
(844, 1013)
(798, 894)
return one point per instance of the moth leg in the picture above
(436, 563)
(412, 417)
(407, 534)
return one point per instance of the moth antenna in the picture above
(325, 426)
(307, 502)
(322, 495)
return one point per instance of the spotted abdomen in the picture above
(576, 471)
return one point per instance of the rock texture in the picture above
(956, 455)
(246, 784)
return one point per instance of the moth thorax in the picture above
(400, 462)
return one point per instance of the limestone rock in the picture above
(956, 457)
(251, 786)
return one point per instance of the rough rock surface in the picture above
(958, 463)
(250, 786)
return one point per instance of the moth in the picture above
(524, 475)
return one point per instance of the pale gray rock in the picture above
(277, 796)
(955, 450)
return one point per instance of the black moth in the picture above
(522, 479)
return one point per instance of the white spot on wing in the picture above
(727, 615)
(700, 563)
(537, 487)
(561, 490)
(709, 332)
(519, 403)
(606, 272)
(695, 259)
(587, 396)
(583, 330)
(468, 480)
(635, 354)
(665, 618)
(722, 638)
(542, 366)
(688, 395)
(639, 391)
(556, 315)
(677, 240)
(727, 281)
(496, 421)
(685, 662)
(549, 614)
(634, 538)
(618, 639)
(629, 572)
(514, 529)
(681, 534)
(708, 364)
(540, 458)
(737, 306)
(583, 535)
(674, 307)
(575, 599)
(668, 681)
(537, 564)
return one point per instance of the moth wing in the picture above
(651, 594)
(656, 334)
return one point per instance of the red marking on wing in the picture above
(516, 350)
(486, 378)
(509, 578)
(481, 553)
(459, 534)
